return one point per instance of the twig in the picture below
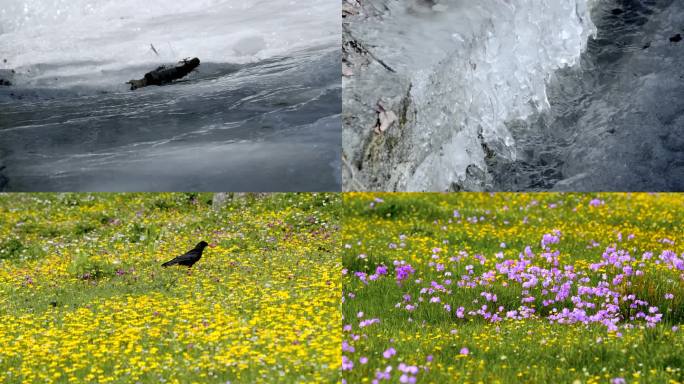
(363, 46)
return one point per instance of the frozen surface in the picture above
(261, 113)
(56, 38)
(472, 66)
(515, 95)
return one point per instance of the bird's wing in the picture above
(191, 255)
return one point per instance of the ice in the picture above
(496, 73)
(84, 38)
(472, 66)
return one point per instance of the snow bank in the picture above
(81, 37)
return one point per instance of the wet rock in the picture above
(5, 76)
(3, 179)
(371, 160)
(398, 155)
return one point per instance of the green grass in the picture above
(531, 350)
(83, 297)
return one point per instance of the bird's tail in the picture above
(169, 263)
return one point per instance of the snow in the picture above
(85, 37)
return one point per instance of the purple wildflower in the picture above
(403, 272)
(389, 353)
(347, 365)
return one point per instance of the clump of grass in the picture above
(87, 267)
(145, 234)
(84, 227)
(28, 227)
(398, 209)
(10, 249)
(656, 287)
(15, 249)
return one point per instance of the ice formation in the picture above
(472, 66)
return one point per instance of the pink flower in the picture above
(347, 365)
(464, 351)
(403, 272)
(596, 203)
(389, 353)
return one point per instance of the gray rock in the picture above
(3, 179)
(404, 157)
(6, 77)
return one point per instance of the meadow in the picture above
(83, 298)
(513, 288)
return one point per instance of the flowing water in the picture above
(616, 121)
(261, 113)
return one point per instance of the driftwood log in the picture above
(165, 75)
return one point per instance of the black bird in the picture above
(189, 258)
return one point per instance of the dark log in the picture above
(164, 75)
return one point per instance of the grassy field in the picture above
(83, 297)
(506, 288)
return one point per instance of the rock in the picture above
(5, 76)
(385, 146)
(219, 200)
(385, 120)
(3, 179)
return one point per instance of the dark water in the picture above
(617, 122)
(270, 126)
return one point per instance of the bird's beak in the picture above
(212, 245)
